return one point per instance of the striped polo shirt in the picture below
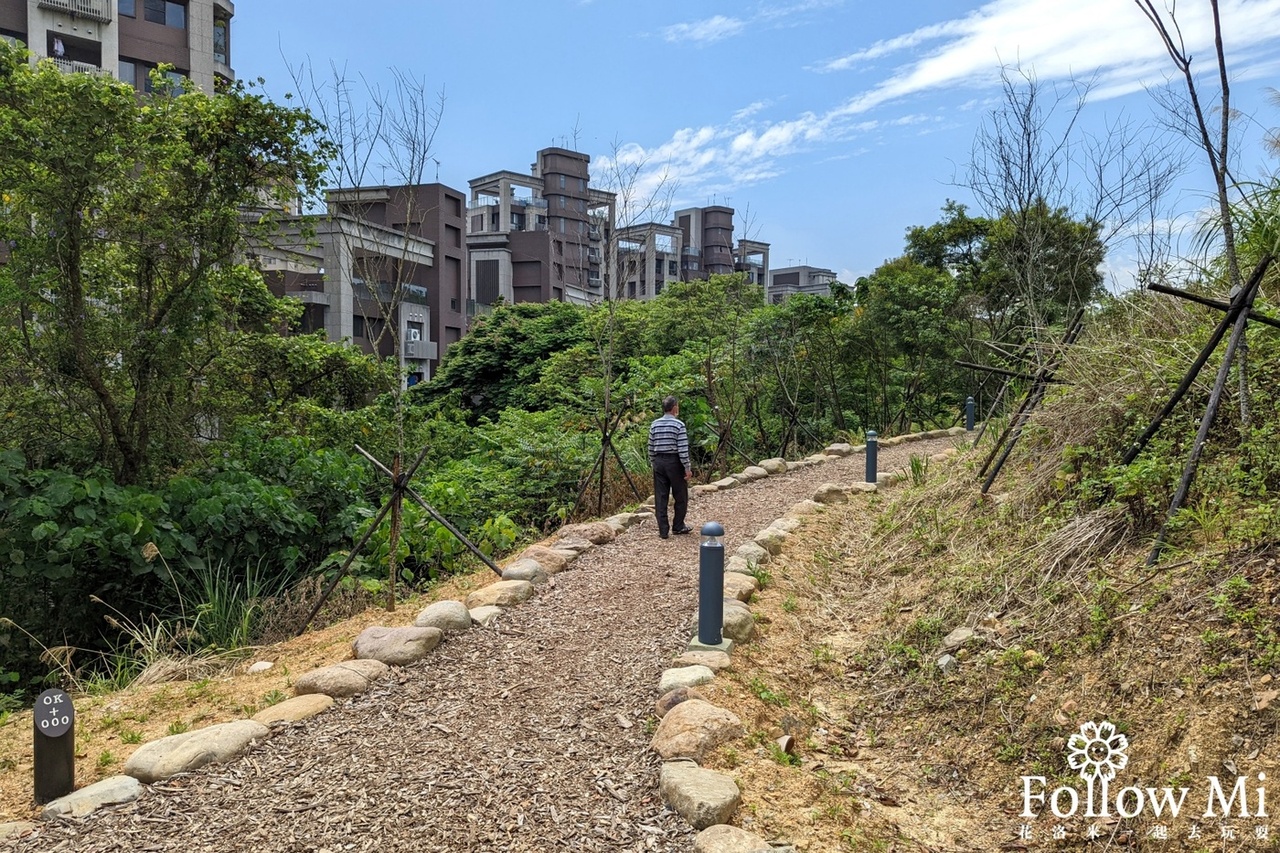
(668, 435)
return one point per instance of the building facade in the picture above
(785, 281)
(648, 258)
(127, 38)
(540, 237)
(707, 237)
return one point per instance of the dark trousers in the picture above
(668, 476)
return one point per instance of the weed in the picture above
(789, 604)
(274, 697)
(177, 727)
(130, 736)
(781, 756)
(767, 695)
(106, 759)
(919, 469)
(762, 575)
(823, 654)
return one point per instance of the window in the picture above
(165, 12)
(562, 182)
(671, 268)
(128, 72)
(453, 235)
(220, 41)
(128, 8)
(582, 185)
(357, 326)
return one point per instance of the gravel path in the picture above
(526, 736)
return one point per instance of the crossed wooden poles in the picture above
(400, 489)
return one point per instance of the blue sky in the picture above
(838, 125)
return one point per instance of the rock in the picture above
(15, 829)
(739, 624)
(957, 430)
(774, 466)
(191, 750)
(771, 539)
(892, 442)
(694, 728)
(739, 586)
(396, 646)
(622, 521)
(816, 458)
(525, 570)
(341, 680)
(794, 466)
(887, 479)
(956, 639)
(260, 666)
(552, 560)
(669, 700)
(484, 616)
(738, 565)
(752, 553)
(723, 838)
(751, 473)
(684, 676)
(839, 450)
(946, 664)
(109, 792)
(595, 532)
(805, 507)
(864, 488)
(573, 544)
(714, 661)
(943, 455)
(830, 493)
(702, 797)
(704, 489)
(726, 483)
(450, 617)
(786, 525)
(500, 594)
(294, 710)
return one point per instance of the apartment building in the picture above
(539, 237)
(752, 257)
(707, 237)
(127, 38)
(648, 258)
(785, 281)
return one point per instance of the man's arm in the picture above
(682, 443)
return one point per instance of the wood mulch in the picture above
(531, 735)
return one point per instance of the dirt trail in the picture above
(531, 735)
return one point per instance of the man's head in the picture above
(670, 405)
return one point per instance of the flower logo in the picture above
(1097, 751)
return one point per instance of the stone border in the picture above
(705, 798)
(379, 648)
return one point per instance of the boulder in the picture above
(396, 646)
(839, 449)
(260, 667)
(595, 532)
(667, 701)
(723, 838)
(771, 539)
(739, 586)
(796, 465)
(552, 560)
(109, 792)
(738, 565)
(484, 616)
(752, 553)
(786, 525)
(702, 797)
(830, 493)
(750, 474)
(805, 507)
(191, 750)
(684, 676)
(816, 458)
(693, 728)
(738, 624)
(622, 521)
(714, 661)
(295, 710)
(704, 489)
(341, 680)
(450, 617)
(726, 483)
(863, 488)
(774, 466)
(525, 570)
(500, 594)
(573, 544)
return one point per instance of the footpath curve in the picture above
(531, 734)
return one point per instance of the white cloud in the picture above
(705, 31)
(749, 110)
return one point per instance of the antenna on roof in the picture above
(437, 162)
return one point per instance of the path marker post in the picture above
(54, 750)
(711, 584)
(873, 446)
(968, 414)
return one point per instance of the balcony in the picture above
(69, 66)
(690, 250)
(94, 10)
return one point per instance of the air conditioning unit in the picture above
(415, 335)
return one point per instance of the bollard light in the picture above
(711, 584)
(873, 446)
(54, 751)
(968, 415)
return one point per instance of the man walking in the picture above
(669, 456)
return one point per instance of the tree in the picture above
(124, 215)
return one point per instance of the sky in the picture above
(831, 126)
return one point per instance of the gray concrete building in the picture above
(127, 38)
(539, 237)
(707, 236)
(785, 281)
(648, 258)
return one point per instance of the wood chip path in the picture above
(527, 736)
